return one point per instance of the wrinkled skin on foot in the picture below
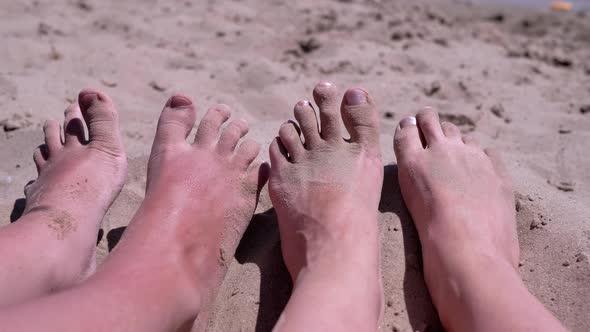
(326, 193)
(79, 178)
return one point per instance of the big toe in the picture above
(102, 120)
(176, 120)
(361, 118)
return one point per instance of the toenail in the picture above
(303, 103)
(325, 84)
(406, 122)
(355, 97)
(87, 99)
(179, 101)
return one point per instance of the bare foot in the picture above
(200, 197)
(78, 181)
(199, 200)
(460, 197)
(326, 194)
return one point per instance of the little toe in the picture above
(306, 117)
(52, 133)
(407, 141)
(451, 131)
(73, 126)
(429, 126)
(278, 154)
(176, 120)
(246, 153)
(210, 125)
(325, 95)
(361, 118)
(231, 135)
(499, 165)
(102, 120)
(290, 139)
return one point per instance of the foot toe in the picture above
(306, 117)
(290, 139)
(231, 135)
(361, 118)
(210, 125)
(176, 120)
(429, 125)
(407, 139)
(246, 153)
(74, 133)
(102, 120)
(278, 154)
(450, 130)
(52, 132)
(325, 95)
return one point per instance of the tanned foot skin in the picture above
(199, 200)
(52, 246)
(461, 199)
(326, 192)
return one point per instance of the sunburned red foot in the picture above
(199, 199)
(78, 180)
(326, 193)
(460, 197)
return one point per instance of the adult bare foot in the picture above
(52, 245)
(460, 197)
(199, 200)
(326, 193)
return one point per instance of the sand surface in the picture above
(517, 79)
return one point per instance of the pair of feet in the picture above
(200, 197)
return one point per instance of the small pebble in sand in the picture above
(432, 89)
(154, 85)
(534, 225)
(390, 303)
(389, 115)
(585, 109)
(499, 111)
(565, 131)
(566, 263)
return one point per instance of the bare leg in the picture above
(461, 199)
(199, 200)
(52, 246)
(326, 194)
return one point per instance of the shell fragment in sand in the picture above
(561, 5)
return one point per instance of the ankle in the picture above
(463, 281)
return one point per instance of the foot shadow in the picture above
(421, 312)
(261, 245)
(18, 209)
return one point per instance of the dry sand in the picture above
(517, 79)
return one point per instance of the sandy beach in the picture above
(517, 79)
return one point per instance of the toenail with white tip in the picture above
(409, 121)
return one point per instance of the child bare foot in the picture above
(460, 197)
(78, 180)
(199, 200)
(326, 193)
